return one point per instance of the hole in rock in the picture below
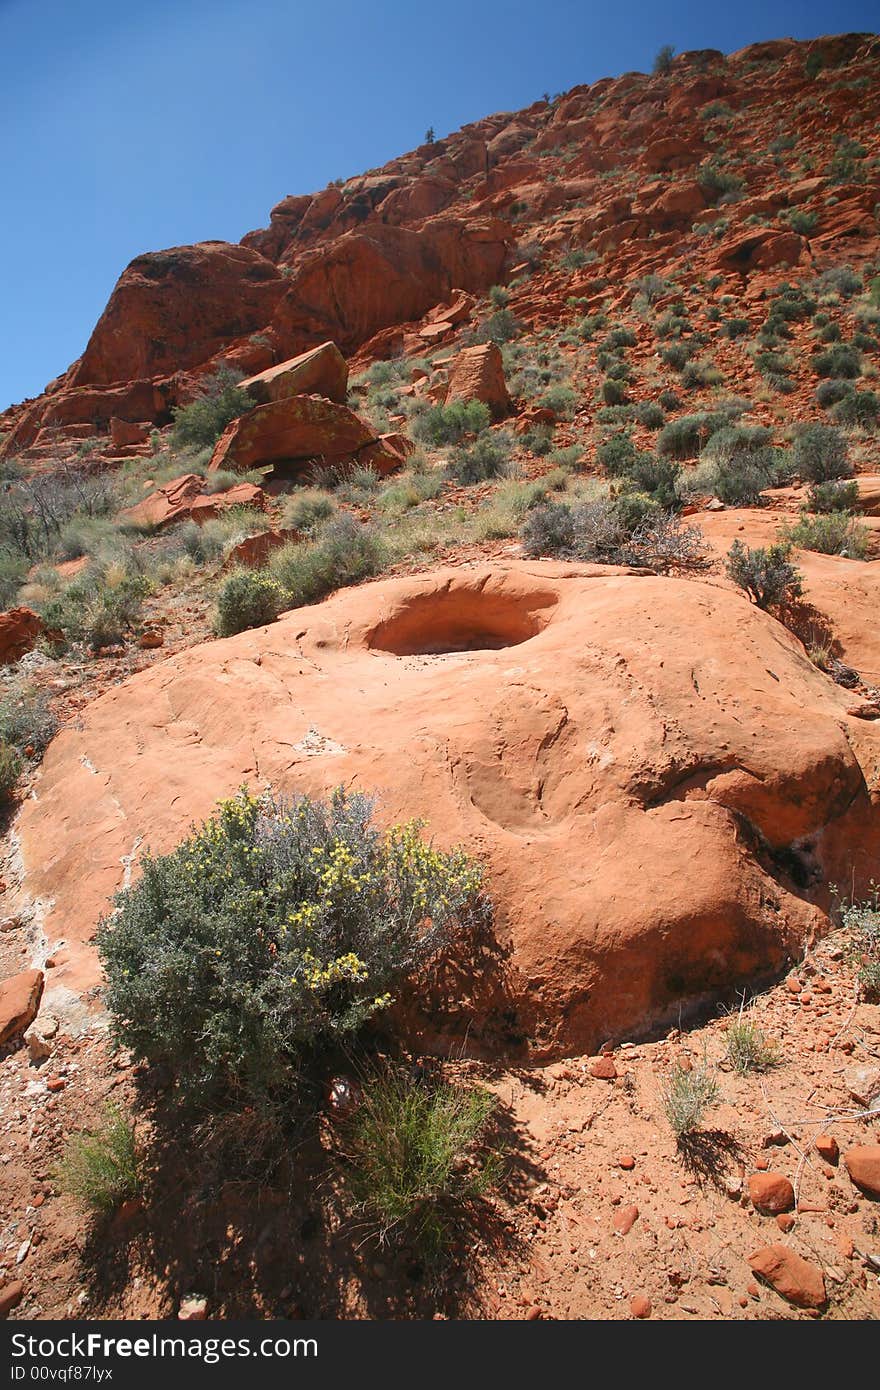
(463, 620)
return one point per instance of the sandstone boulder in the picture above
(587, 732)
(293, 428)
(19, 1002)
(322, 371)
(19, 630)
(185, 499)
(477, 374)
(771, 1193)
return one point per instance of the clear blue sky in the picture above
(127, 128)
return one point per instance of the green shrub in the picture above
(275, 927)
(748, 1047)
(26, 719)
(685, 437)
(833, 496)
(10, 769)
(717, 181)
(488, 457)
(306, 510)
(418, 1159)
(688, 1095)
(656, 478)
(820, 454)
(663, 61)
(669, 400)
(699, 374)
(676, 355)
(862, 921)
(735, 328)
(767, 576)
(245, 599)
(828, 393)
(650, 414)
(802, 222)
(344, 552)
(619, 338)
(613, 392)
(831, 533)
(447, 424)
(840, 280)
(839, 361)
(740, 478)
(102, 607)
(561, 400)
(617, 454)
(200, 424)
(858, 410)
(501, 327)
(549, 530)
(101, 1168)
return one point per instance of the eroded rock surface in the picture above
(655, 776)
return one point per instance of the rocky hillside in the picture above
(719, 176)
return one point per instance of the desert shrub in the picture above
(820, 453)
(740, 478)
(828, 393)
(488, 457)
(447, 424)
(498, 296)
(619, 338)
(102, 607)
(735, 328)
(748, 1047)
(307, 510)
(676, 355)
(776, 368)
(538, 439)
(669, 400)
(561, 399)
(201, 423)
(656, 478)
(672, 324)
(663, 60)
(698, 374)
(613, 392)
(34, 512)
(275, 927)
(833, 496)
(418, 1158)
(245, 599)
(616, 455)
(549, 530)
(101, 1168)
(688, 1096)
(767, 575)
(344, 552)
(590, 325)
(685, 437)
(841, 361)
(10, 769)
(830, 333)
(26, 719)
(501, 327)
(830, 533)
(652, 287)
(617, 370)
(650, 414)
(718, 182)
(858, 410)
(802, 222)
(840, 280)
(13, 573)
(862, 921)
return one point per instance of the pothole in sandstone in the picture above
(463, 620)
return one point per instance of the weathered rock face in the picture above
(19, 631)
(175, 309)
(651, 770)
(478, 375)
(295, 427)
(323, 371)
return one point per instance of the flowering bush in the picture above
(275, 926)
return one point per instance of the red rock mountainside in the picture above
(612, 181)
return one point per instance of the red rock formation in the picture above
(184, 499)
(795, 1278)
(478, 375)
(295, 427)
(322, 371)
(19, 630)
(19, 1001)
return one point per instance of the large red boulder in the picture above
(863, 1165)
(174, 309)
(477, 374)
(295, 427)
(322, 371)
(185, 499)
(19, 630)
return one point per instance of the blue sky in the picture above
(129, 128)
